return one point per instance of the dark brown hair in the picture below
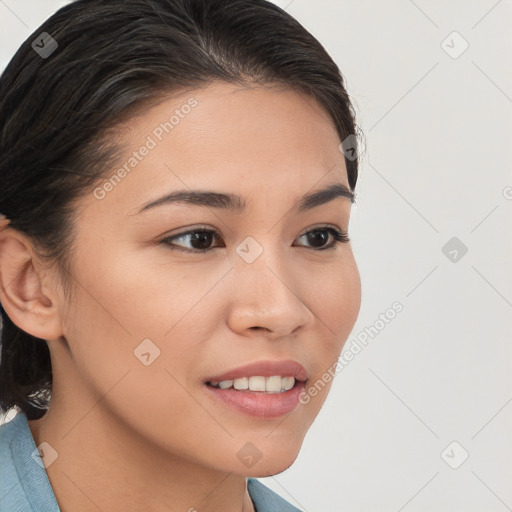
(112, 57)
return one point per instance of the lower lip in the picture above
(260, 404)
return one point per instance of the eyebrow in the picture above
(237, 204)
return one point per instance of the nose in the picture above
(268, 298)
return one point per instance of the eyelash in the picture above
(337, 235)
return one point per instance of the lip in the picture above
(260, 405)
(287, 368)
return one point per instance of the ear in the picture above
(26, 290)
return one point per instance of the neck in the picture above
(103, 465)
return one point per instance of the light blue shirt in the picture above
(24, 484)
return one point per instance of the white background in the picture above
(437, 166)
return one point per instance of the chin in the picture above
(272, 459)
(270, 468)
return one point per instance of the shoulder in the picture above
(24, 484)
(266, 500)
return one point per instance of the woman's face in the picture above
(153, 325)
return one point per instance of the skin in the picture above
(131, 436)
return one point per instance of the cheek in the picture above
(117, 307)
(123, 360)
(349, 290)
(128, 308)
(337, 300)
(136, 294)
(336, 305)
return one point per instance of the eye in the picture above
(200, 239)
(320, 235)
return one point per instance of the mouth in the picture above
(266, 389)
(257, 384)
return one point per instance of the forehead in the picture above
(230, 138)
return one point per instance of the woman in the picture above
(177, 281)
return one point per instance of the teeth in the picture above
(288, 383)
(274, 384)
(257, 383)
(242, 383)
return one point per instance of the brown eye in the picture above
(318, 237)
(200, 240)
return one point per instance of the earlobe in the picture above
(21, 288)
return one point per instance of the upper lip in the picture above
(287, 368)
